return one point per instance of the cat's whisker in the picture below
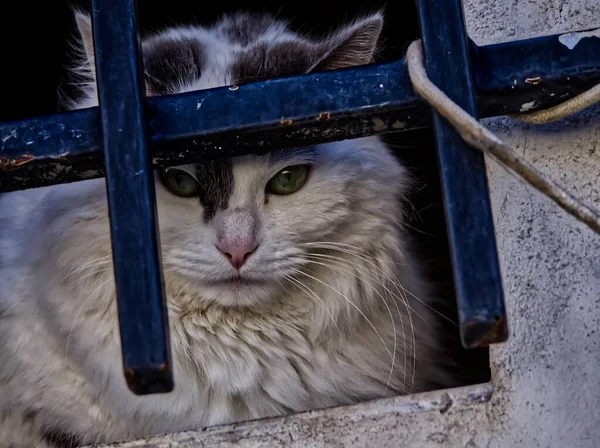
(94, 273)
(387, 277)
(391, 319)
(346, 248)
(283, 285)
(196, 259)
(287, 252)
(342, 262)
(186, 269)
(399, 288)
(299, 271)
(298, 283)
(95, 260)
(284, 256)
(403, 300)
(334, 246)
(89, 265)
(422, 232)
(178, 270)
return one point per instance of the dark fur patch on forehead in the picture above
(245, 28)
(168, 63)
(262, 62)
(216, 185)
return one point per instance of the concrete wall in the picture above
(545, 390)
(547, 376)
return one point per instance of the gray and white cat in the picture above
(290, 281)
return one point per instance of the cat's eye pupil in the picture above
(179, 182)
(286, 177)
(288, 180)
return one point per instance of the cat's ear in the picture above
(350, 46)
(84, 25)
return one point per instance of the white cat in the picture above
(289, 278)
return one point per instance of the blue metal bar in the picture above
(471, 236)
(224, 121)
(542, 70)
(68, 147)
(131, 199)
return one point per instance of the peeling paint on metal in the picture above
(533, 81)
(527, 106)
(13, 134)
(378, 124)
(7, 164)
(570, 40)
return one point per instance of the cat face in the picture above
(245, 225)
(235, 230)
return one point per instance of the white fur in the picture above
(241, 352)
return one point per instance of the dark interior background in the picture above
(35, 48)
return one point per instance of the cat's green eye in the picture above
(288, 180)
(178, 182)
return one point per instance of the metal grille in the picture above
(128, 135)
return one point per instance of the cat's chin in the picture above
(239, 293)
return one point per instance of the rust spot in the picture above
(234, 87)
(399, 124)
(483, 332)
(324, 116)
(7, 164)
(162, 367)
(533, 81)
(286, 122)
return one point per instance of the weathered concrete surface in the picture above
(547, 392)
(546, 378)
(418, 421)
(546, 375)
(504, 20)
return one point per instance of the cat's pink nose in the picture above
(238, 253)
